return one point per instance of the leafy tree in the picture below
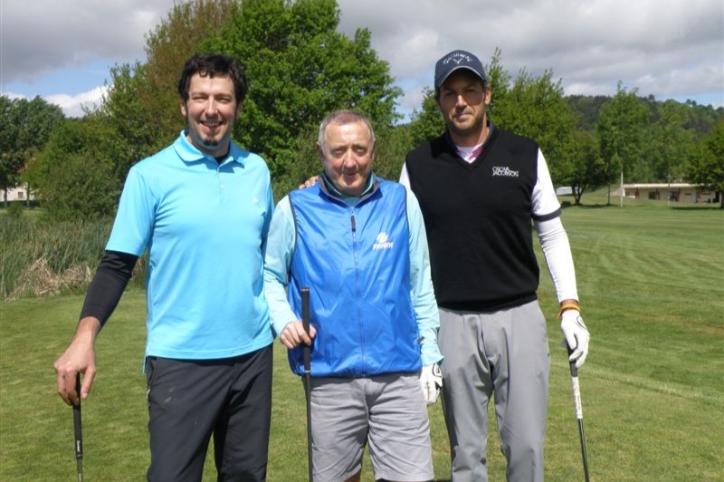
(393, 144)
(586, 169)
(702, 119)
(535, 107)
(669, 143)
(25, 126)
(587, 109)
(620, 129)
(183, 33)
(128, 116)
(426, 123)
(74, 173)
(301, 69)
(707, 162)
(142, 104)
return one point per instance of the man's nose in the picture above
(211, 107)
(349, 158)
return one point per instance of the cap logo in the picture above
(457, 57)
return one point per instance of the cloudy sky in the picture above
(62, 51)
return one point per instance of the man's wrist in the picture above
(568, 305)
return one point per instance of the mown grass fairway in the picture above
(651, 282)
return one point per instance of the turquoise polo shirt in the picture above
(204, 224)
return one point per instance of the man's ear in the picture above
(183, 109)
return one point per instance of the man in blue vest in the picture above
(358, 243)
(480, 188)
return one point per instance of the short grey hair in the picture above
(343, 117)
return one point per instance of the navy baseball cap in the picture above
(456, 60)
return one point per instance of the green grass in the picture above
(651, 282)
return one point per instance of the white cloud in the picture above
(664, 48)
(71, 105)
(667, 48)
(76, 105)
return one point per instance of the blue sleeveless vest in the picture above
(355, 260)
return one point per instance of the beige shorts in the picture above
(386, 411)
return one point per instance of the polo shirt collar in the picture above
(189, 153)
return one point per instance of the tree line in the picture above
(300, 68)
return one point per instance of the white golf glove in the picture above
(576, 336)
(431, 381)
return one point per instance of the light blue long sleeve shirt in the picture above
(280, 247)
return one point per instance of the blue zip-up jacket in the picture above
(372, 297)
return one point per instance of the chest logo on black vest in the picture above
(504, 171)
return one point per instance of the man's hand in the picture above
(294, 335)
(431, 381)
(78, 358)
(576, 336)
(309, 182)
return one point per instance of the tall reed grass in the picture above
(39, 257)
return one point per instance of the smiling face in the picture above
(347, 154)
(210, 112)
(462, 100)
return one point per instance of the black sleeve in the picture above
(108, 284)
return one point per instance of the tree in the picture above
(426, 123)
(74, 173)
(586, 169)
(25, 126)
(142, 104)
(669, 142)
(301, 69)
(707, 162)
(620, 129)
(535, 107)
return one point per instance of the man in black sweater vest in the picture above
(480, 188)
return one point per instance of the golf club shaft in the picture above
(307, 377)
(579, 413)
(78, 429)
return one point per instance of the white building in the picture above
(18, 193)
(674, 192)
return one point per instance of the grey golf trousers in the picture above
(505, 354)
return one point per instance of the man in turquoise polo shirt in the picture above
(202, 208)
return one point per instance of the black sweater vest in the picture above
(478, 220)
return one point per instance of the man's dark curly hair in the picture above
(214, 65)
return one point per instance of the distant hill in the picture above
(587, 108)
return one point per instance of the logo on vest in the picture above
(504, 171)
(382, 242)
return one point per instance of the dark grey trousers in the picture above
(189, 400)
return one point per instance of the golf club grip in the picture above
(304, 292)
(574, 368)
(77, 423)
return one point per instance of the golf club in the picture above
(307, 377)
(579, 412)
(78, 433)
